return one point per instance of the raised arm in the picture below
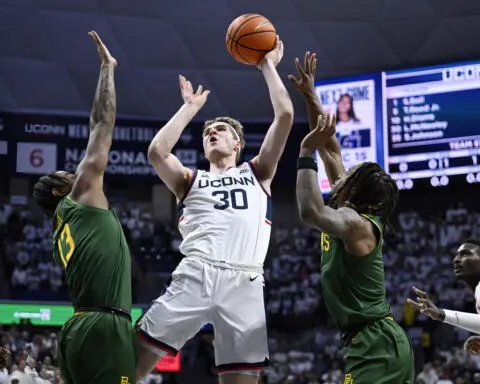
(265, 163)
(170, 170)
(88, 186)
(356, 232)
(329, 151)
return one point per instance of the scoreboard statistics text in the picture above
(427, 135)
(432, 119)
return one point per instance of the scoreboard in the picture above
(427, 135)
(432, 119)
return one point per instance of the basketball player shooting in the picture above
(466, 266)
(375, 347)
(224, 216)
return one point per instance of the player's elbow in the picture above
(155, 153)
(95, 163)
(285, 113)
(308, 214)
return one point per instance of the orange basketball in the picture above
(249, 37)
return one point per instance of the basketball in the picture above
(249, 37)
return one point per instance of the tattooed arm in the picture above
(88, 187)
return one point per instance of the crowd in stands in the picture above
(304, 348)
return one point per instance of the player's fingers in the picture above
(311, 60)
(414, 304)
(294, 81)
(100, 44)
(181, 80)
(206, 93)
(306, 62)
(314, 66)
(319, 123)
(300, 70)
(95, 36)
(311, 65)
(328, 121)
(199, 90)
(334, 123)
(420, 293)
(422, 300)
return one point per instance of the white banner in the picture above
(36, 158)
(354, 106)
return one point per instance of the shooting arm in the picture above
(331, 152)
(265, 163)
(88, 188)
(468, 321)
(168, 167)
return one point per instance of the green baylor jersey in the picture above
(353, 287)
(89, 243)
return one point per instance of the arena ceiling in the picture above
(47, 61)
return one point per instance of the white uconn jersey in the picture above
(226, 218)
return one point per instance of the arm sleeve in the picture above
(468, 321)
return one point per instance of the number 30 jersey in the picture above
(225, 218)
(89, 243)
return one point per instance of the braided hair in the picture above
(371, 191)
(43, 191)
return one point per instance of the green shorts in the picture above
(381, 353)
(96, 347)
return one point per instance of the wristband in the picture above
(307, 162)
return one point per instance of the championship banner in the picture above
(36, 144)
(355, 105)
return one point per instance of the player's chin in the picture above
(460, 273)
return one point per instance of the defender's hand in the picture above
(275, 55)
(318, 136)
(105, 55)
(306, 75)
(472, 345)
(424, 305)
(198, 98)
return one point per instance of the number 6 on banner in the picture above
(36, 158)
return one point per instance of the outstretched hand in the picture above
(198, 98)
(425, 305)
(306, 75)
(103, 52)
(324, 129)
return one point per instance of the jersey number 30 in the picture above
(236, 198)
(66, 245)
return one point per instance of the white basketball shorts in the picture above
(200, 293)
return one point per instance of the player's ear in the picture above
(60, 191)
(237, 147)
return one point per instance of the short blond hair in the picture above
(235, 124)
